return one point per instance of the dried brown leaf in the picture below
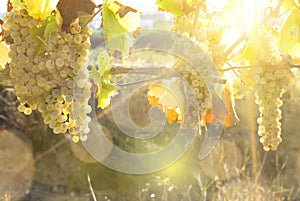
(123, 10)
(70, 10)
(9, 5)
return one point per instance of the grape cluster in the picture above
(205, 35)
(198, 86)
(271, 82)
(208, 31)
(195, 58)
(55, 81)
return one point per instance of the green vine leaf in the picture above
(44, 32)
(102, 78)
(18, 3)
(119, 24)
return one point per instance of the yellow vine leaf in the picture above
(4, 55)
(172, 6)
(288, 4)
(40, 9)
(162, 96)
(231, 117)
(290, 34)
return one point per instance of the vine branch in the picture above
(92, 17)
(196, 19)
(232, 47)
(255, 66)
(141, 81)
(158, 71)
(7, 86)
(238, 67)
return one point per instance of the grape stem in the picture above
(92, 17)
(45, 43)
(196, 19)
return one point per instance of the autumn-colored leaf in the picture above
(290, 34)
(288, 4)
(123, 10)
(171, 115)
(40, 9)
(70, 10)
(153, 101)
(9, 5)
(166, 101)
(231, 117)
(4, 55)
(1, 30)
(172, 6)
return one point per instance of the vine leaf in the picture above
(231, 117)
(288, 4)
(44, 32)
(70, 10)
(252, 50)
(9, 6)
(119, 24)
(1, 30)
(15, 3)
(40, 9)
(102, 78)
(4, 55)
(289, 40)
(123, 10)
(171, 6)
(162, 96)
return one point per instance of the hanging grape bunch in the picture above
(272, 84)
(47, 65)
(269, 79)
(272, 78)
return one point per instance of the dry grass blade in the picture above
(91, 187)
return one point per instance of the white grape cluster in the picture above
(55, 81)
(206, 34)
(194, 57)
(271, 82)
(198, 85)
(206, 40)
(208, 31)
